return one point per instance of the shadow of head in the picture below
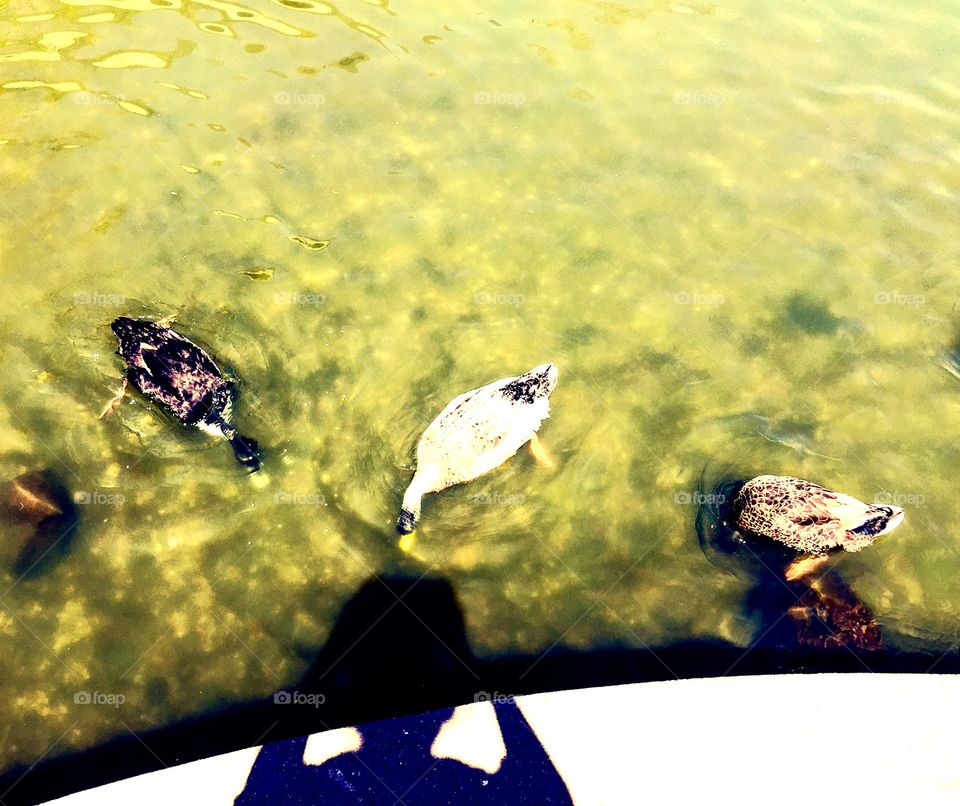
(400, 638)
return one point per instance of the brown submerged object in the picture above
(829, 615)
(41, 519)
(30, 497)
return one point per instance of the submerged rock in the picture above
(31, 497)
(42, 519)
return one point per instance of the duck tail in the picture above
(410, 509)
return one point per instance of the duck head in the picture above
(536, 384)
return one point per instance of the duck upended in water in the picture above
(810, 518)
(182, 378)
(477, 432)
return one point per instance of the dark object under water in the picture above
(181, 377)
(43, 516)
(828, 614)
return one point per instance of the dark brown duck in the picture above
(183, 379)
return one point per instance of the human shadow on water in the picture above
(399, 647)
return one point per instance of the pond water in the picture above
(733, 228)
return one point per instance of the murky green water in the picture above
(733, 227)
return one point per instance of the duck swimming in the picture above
(477, 432)
(810, 518)
(182, 378)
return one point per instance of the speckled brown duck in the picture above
(813, 522)
(809, 518)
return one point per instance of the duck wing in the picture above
(460, 401)
(823, 504)
(475, 433)
(180, 376)
(830, 515)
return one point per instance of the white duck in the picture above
(477, 432)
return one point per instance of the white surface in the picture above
(779, 740)
(212, 782)
(321, 747)
(472, 735)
